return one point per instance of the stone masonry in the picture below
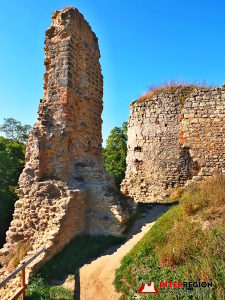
(174, 138)
(64, 188)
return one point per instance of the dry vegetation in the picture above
(16, 254)
(172, 86)
(180, 246)
(206, 198)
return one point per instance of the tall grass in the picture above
(16, 253)
(171, 86)
(179, 247)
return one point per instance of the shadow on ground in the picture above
(149, 213)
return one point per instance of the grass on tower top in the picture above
(171, 86)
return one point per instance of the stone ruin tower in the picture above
(64, 188)
(174, 138)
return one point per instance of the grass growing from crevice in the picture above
(179, 247)
(16, 253)
(78, 252)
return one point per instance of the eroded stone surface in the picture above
(64, 188)
(173, 139)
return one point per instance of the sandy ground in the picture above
(94, 281)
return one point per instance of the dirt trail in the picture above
(96, 279)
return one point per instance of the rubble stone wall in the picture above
(173, 139)
(64, 188)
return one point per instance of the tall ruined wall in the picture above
(64, 188)
(173, 138)
(69, 115)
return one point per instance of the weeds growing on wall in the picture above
(172, 86)
(16, 254)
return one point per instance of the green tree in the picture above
(12, 159)
(115, 152)
(14, 130)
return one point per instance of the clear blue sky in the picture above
(142, 42)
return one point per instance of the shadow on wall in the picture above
(192, 167)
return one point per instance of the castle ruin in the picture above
(64, 188)
(174, 138)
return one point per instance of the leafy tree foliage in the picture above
(11, 163)
(115, 152)
(12, 158)
(14, 130)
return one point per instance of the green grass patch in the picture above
(178, 248)
(78, 252)
(40, 289)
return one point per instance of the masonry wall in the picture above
(64, 188)
(69, 115)
(174, 138)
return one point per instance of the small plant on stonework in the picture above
(16, 254)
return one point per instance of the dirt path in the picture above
(96, 279)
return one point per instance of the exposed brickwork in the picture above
(174, 138)
(64, 188)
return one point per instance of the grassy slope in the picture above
(186, 244)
